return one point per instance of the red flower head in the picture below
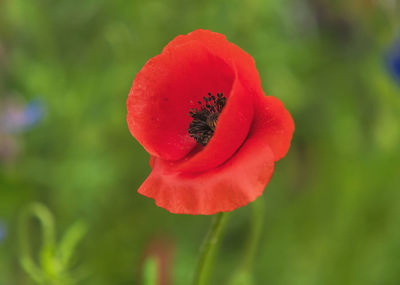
(199, 110)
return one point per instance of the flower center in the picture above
(205, 119)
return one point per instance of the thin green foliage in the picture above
(55, 259)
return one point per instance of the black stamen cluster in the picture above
(205, 119)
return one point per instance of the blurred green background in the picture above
(332, 208)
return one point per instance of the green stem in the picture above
(255, 234)
(209, 249)
(244, 273)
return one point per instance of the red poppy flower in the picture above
(213, 136)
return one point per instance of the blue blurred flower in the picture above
(18, 117)
(393, 60)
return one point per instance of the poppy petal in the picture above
(219, 46)
(236, 183)
(275, 123)
(165, 90)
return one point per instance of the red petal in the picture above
(219, 46)
(165, 90)
(275, 123)
(234, 184)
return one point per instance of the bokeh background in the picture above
(332, 208)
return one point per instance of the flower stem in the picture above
(244, 273)
(209, 249)
(255, 234)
